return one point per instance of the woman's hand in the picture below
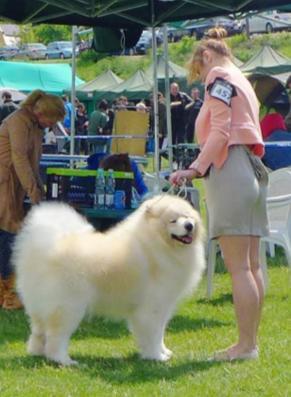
(177, 178)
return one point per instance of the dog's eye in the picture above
(173, 221)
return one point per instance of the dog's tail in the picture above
(46, 224)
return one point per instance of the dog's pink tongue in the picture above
(187, 239)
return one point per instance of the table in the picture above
(102, 219)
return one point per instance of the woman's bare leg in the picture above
(246, 291)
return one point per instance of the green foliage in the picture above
(90, 64)
(48, 33)
(26, 34)
(44, 33)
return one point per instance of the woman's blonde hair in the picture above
(51, 106)
(213, 40)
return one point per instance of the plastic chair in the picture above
(279, 211)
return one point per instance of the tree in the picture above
(45, 33)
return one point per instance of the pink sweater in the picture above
(218, 126)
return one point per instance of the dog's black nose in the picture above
(188, 226)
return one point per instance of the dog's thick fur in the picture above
(137, 270)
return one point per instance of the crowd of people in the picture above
(184, 111)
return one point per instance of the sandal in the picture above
(226, 355)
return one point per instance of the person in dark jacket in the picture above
(179, 100)
(191, 113)
(8, 106)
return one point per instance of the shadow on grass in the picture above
(15, 326)
(184, 323)
(128, 370)
(222, 299)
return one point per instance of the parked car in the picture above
(267, 22)
(32, 51)
(145, 41)
(8, 52)
(60, 49)
(200, 27)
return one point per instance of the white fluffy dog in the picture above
(137, 270)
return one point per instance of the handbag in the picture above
(259, 168)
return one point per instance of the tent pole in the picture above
(167, 97)
(73, 91)
(156, 110)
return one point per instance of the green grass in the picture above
(109, 364)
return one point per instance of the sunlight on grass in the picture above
(110, 366)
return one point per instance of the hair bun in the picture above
(217, 33)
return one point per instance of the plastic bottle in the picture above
(99, 197)
(135, 198)
(110, 190)
(55, 187)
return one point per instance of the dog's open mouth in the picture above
(186, 239)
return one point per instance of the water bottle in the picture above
(99, 197)
(135, 198)
(55, 187)
(110, 190)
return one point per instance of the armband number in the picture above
(222, 90)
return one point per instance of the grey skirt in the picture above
(236, 201)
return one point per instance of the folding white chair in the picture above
(279, 211)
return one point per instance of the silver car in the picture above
(33, 51)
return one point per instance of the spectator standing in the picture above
(8, 106)
(21, 135)
(122, 103)
(82, 126)
(97, 122)
(191, 112)
(235, 181)
(69, 113)
(178, 102)
(162, 111)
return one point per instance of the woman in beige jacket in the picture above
(21, 135)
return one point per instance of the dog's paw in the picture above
(167, 352)
(69, 362)
(63, 361)
(156, 356)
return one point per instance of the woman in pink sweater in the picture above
(228, 131)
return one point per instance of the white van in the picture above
(267, 22)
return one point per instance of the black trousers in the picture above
(6, 242)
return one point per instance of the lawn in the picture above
(109, 364)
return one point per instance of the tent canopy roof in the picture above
(136, 83)
(103, 82)
(124, 13)
(266, 57)
(174, 70)
(26, 77)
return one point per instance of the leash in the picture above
(180, 190)
(176, 190)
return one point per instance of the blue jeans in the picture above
(6, 241)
